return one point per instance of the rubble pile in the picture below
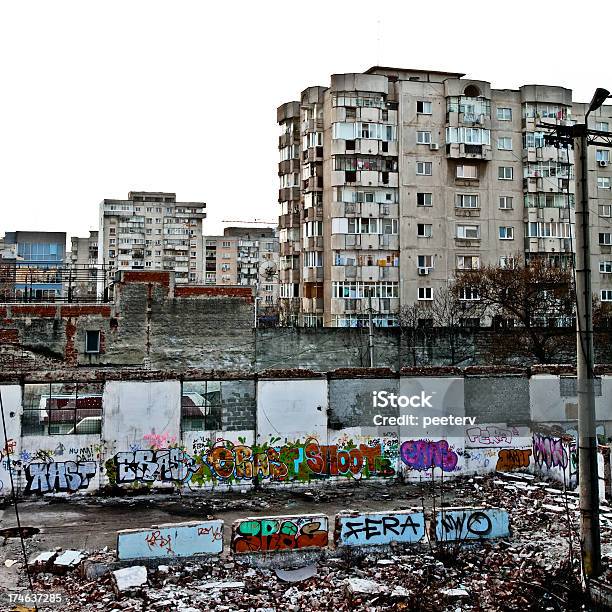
(537, 568)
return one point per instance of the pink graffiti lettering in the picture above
(425, 454)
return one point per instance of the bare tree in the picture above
(415, 323)
(538, 297)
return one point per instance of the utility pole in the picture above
(370, 328)
(580, 137)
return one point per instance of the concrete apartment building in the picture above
(152, 231)
(244, 256)
(39, 264)
(394, 179)
(84, 265)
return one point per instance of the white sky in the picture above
(100, 97)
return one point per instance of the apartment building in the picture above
(84, 267)
(244, 256)
(394, 179)
(40, 259)
(152, 231)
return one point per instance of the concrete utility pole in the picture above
(370, 329)
(580, 136)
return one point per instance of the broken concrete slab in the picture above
(296, 575)
(363, 586)
(69, 559)
(130, 578)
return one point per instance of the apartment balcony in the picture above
(289, 220)
(289, 166)
(313, 213)
(313, 242)
(287, 194)
(373, 273)
(289, 248)
(313, 154)
(313, 183)
(468, 151)
(536, 154)
(548, 245)
(289, 276)
(312, 305)
(364, 178)
(534, 184)
(312, 275)
(312, 125)
(467, 243)
(285, 140)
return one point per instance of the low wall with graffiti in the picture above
(155, 434)
(171, 540)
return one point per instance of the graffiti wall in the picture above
(379, 528)
(172, 540)
(11, 445)
(455, 524)
(280, 533)
(556, 458)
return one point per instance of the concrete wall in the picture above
(299, 431)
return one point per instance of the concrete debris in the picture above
(10, 562)
(529, 570)
(69, 559)
(297, 575)
(130, 578)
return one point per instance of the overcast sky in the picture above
(99, 98)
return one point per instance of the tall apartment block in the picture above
(152, 231)
(244, 256)
(393, 180)
(84, 267)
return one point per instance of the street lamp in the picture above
(599, 97)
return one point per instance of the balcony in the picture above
(468, 151)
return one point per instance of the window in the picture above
(425, 262)
(423, 107)
(507, 262)
(504, 143)
(201, 404)
(468, 135)
(602, 155)
(467, 171)
(313, 259)
(424, 168)
(504, 113)
(606, 295)
(605, 267)
(605, 238)
(426, 293)
(468, 294)
(506, 233)
(424, 199)
(605, 210)
(468, 232)
(603, 182)
(466, 201)
(468, 262)
(423, 137)
(505, 173)
(424, 230)
(62, 408)
(602, 126)
(505, 202)
(92, 341)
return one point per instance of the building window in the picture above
(504, 113)
(504, 143)
(605, 267)
(426, 293)
(605, 210)
(62, 408)
(424, 107)
(468, 262)
(424, 199)
(505, 202)
(603, 182)
(92, 341)
(606, 295)
(605, 238)
(467, 171)
(425, 263)
(466, 200)
(423, 137)
(468, 232)
(505, 173)
(201, 405)
(506, 233)
(468, 294)
(424, 168)
(602, 126)
(602, 156)
(507, 261)
(424, 230)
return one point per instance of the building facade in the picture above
(40, 259)
(245, 256)
(152, 231)
(84, 266)
(393, 180)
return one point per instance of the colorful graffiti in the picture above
(550, 451)
(147, 466)
(513, 459)
(379, 528)
(176, 540)
(278, 533)
(491, 435)
(425, 454)
(65, 476)
(471, 524)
